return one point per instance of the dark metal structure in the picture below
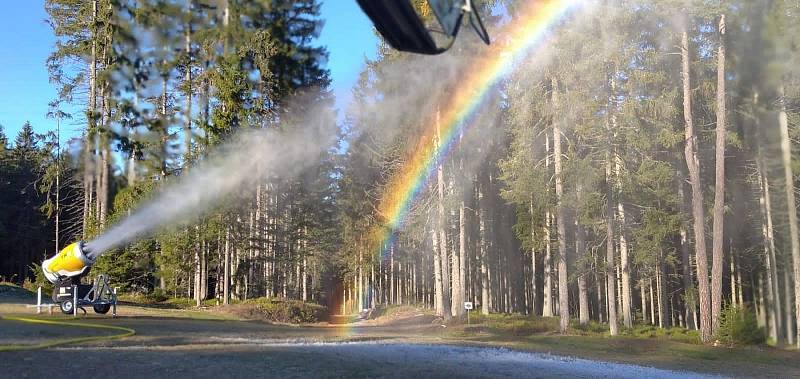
(404, 30)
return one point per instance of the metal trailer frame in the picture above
(101, 297)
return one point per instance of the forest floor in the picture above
(398, 342)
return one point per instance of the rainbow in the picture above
(527, 31)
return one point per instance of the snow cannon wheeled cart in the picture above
(66, 269)
(70, 293)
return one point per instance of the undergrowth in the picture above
(515, 324)
(518, 325)
(391, 310)
(739, 326)
(279, 310)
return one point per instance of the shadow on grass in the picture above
(14, 294)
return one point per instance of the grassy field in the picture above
(674, 348)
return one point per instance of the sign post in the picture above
(39, 300)
(468, 307)
(74, 301)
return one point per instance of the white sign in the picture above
(468, 305)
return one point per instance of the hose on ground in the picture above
(127, 332)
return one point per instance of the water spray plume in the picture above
(250, 156)
(526, 34)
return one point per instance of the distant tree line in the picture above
(28, 167)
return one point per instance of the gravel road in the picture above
(240, 357)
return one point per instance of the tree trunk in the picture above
(103, 174)
(197, 269)
(563, 289)
(734, 295)
(761, 309)
(437, 274)
(659, 293)
(483, 253)
(690, 154)
(87, 186)
(226, 285)
(534, 289)
(372, 286)
(652, 302)
(664, 314)
(625, 272)
(786, 154)
(103, 186)
(719, 187)
(360, 279)
(772, 301)
(187, 122)
(414, 299)
(611, 286)
(547, 304)
(689, 295)
(787, 300)
(459, 284)
(440, 225)
(580, 255)
(392, 294)
(204, 271)
(643, 289)
(599, 280)
(739, 284)
(91, 114)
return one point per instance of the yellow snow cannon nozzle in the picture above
(69, 262)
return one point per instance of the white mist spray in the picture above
(250, 156)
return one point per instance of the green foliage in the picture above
(39, 280)
(27, 231)
(158, 295)
(515, 324)
(739, 326)
(652, 331)
(590, 328)
(129, 268)
(280, 310)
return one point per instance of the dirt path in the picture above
(176, 344)
(180, 347)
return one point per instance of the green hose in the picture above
(127, 333)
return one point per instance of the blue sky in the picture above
(350, 39)
(27, 40)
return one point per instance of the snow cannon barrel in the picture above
(74, 260)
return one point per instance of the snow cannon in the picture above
(72, 261)
(66, 269)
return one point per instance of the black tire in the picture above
(101, 308)
(67, 306)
